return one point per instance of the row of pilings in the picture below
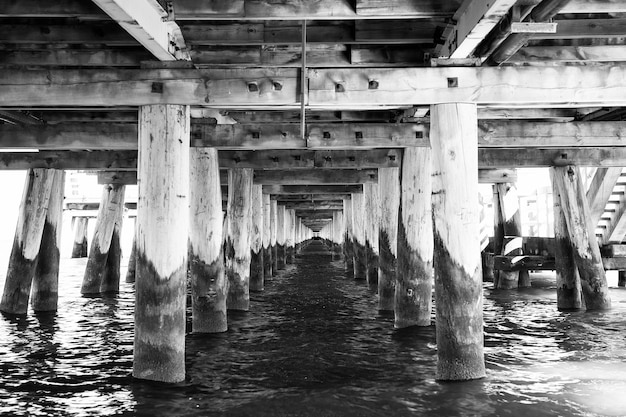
(418, 229)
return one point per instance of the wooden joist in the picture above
(474, 20)
(299, 198)
(495, 133)
(551, 55)
(146, 21)
(311, 10)
(285, 159)
(362, 88)
(285, 190)
(600, 190)
(527, 86)
(315, 176)
(488, 158)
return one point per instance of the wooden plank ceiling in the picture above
(243, 41)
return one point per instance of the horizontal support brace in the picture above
(355, 88)
(333, 137)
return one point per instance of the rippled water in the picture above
(313, 344)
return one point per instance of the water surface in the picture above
(313, 344)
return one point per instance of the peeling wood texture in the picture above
(458, 283)
(389, 189)
(238, 240)
(162, 234)
(27, 242)
(582, 239)
(209, 285)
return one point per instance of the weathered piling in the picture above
(209, 286)
(358, 236)
(267, 237)
(414, 274)
(508, 233)
(111, 276)
(132, 258)
(348, 246)
(621, 279)
(27, 241)
(109, 214)
(372, 219)
(583, 241)
(389, 189)
(45, 289)
(274, 235)
(256, 240)
(162, 234)
(458, 283)
(81, 245)
(239, 214)
(289, 235)
(280, 236)
(337, 232)
(568, 288)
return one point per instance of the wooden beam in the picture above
(493, 176)
(516, 133)
(317, 10)
(50, 9)
(300, 198)
(312, 189)
(474, 20)
(315, 206)
(117, 177)
(147, 22)
(594, 6)
(285, 159)
(367, 135)
(335, 89)
(315, 176)
(538, 157)
(525, 86)
(75, 57)
(106, 87)
(552, 55)
(103, 33)
(586, 28)
(94, 160)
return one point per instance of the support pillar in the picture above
(389, 188)
(132, 259)
(267, 237)
(508, 227)
(621, 279)
(256, 240)
(45, 291)
(81, 245)
(239, 214)
(111, 277)
(414, 274)
(27, 242)
(348, 246)
(372, 219)
(109, 214)
(289, 236)
(568, 289)
(458, 284)
(274, 235)
(162, 234)
(583, 241)
(358, 232)
(280, 236)
(337, 234)
(209, 286)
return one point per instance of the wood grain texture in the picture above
(162, 234)
(582, 239)
(414, 273)
(238, 240)
(458, 284)
(27, 242)
(206, 234)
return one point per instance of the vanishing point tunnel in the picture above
(253, 128)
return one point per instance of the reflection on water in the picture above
(313, 344)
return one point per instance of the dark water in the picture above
(313, 344)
